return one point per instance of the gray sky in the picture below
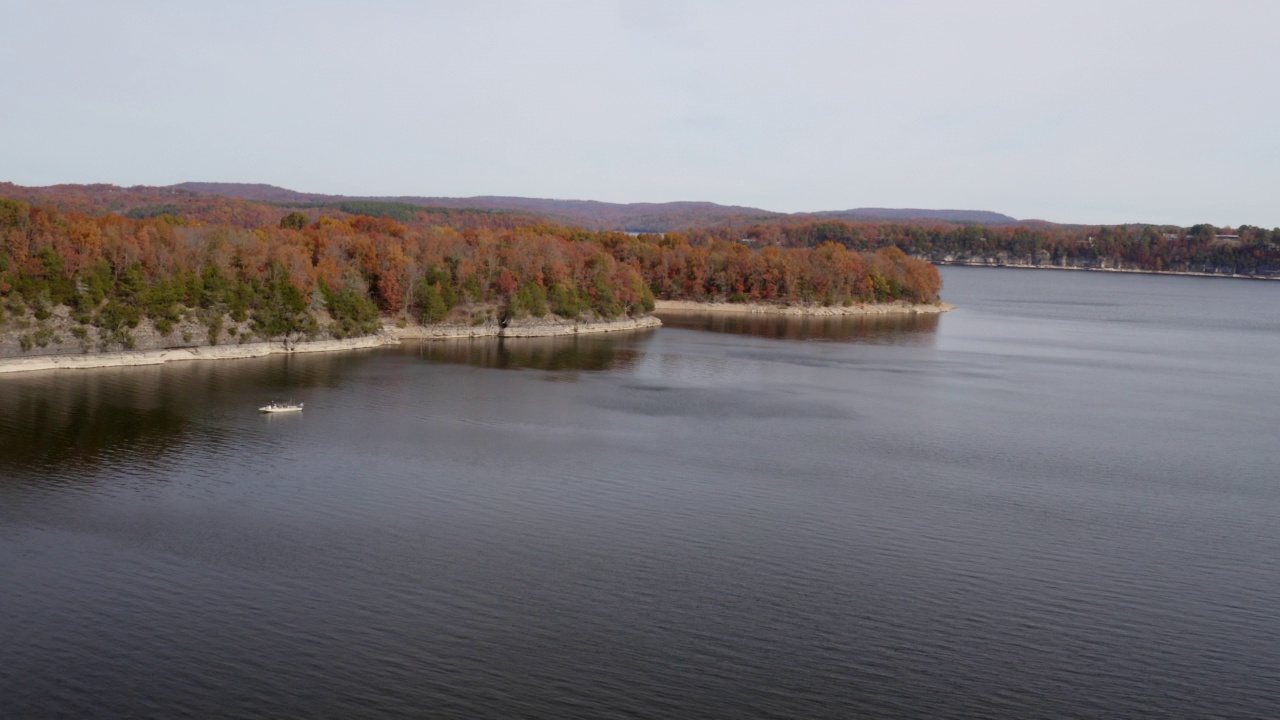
(1068, 111)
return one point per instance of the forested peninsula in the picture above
(90, 280)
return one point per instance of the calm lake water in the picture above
(1058, 501)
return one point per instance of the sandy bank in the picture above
(766, 309)
(390, 335)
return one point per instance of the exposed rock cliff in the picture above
(61, 349)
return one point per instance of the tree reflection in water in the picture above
(566, 353)
(895, 329)
(62, 419)
(52, 419)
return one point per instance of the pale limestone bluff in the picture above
(208, 352)
(389, 335)
(767, 309)
(542, 327)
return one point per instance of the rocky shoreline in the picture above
(540, 327)
(391, 334)
(894, 308)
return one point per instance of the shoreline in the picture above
(1133, 271)
(894, 308)
(389, 335)
(536, 328)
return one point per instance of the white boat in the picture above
(279, 407)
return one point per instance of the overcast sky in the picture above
(1068, 111)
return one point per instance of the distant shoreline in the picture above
(389, 335)
(1134, 271)
(894, 308)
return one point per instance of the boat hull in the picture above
(280, 409)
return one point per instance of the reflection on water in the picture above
(897, 329)
(86, 418)
(595, 352)
(64, 417)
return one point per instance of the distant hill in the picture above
(593, 214)
(236, 208)
(252, 204)
(260, 192)
(958, 216)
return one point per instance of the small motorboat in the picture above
(279, 407)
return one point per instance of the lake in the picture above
(1058, 501)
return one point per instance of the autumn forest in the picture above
(264, 272)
